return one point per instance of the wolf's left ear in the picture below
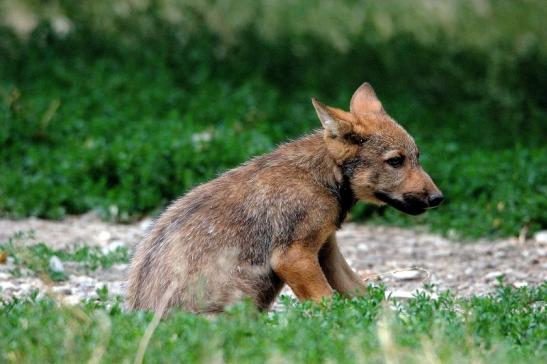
(336, 122)
(364, 100)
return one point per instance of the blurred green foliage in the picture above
(120, 106)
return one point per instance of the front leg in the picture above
(298, 266)
(337, 271)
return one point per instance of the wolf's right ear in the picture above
(336, 122)
(364, 100)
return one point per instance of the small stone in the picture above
(362, 247)
(407, 275)
(541, 236)
(145, 224)
(520, 284)
(400, 294)
(25, 287)
(405, 295)
(493, 275)
(113, 210)
(55, 264)
(112, 247)
(4, 286)
(104, 236)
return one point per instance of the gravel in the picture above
(402, 259)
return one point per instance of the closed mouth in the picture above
(410, 204)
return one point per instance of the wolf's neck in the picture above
(310, 153)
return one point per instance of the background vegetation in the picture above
(120, 106)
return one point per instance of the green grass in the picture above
(117, 118)
(506, 327)
(36, 257)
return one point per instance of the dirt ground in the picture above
(464, 267)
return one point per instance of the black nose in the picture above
(435, 200)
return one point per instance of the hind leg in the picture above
(260, 284)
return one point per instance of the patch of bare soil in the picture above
(403, 259)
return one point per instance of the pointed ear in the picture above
(336, 122)
(364, 100)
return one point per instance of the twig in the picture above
(154, 324)
(380, 275)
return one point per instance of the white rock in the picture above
(113, 246)
(400, 294)
(520, 284)
(26, 287)
(493, 275)
(6, 285)
(145, 224)
(114, 210)
(362, 247)
(407, 275)
(541, 236)
(104, 236)
(405, 295)
(55, 264)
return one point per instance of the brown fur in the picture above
(272, 220)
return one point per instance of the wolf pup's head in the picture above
(377, 156)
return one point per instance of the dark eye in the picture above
(396, 162)
(360, 140)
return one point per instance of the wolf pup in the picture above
(272, 221)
